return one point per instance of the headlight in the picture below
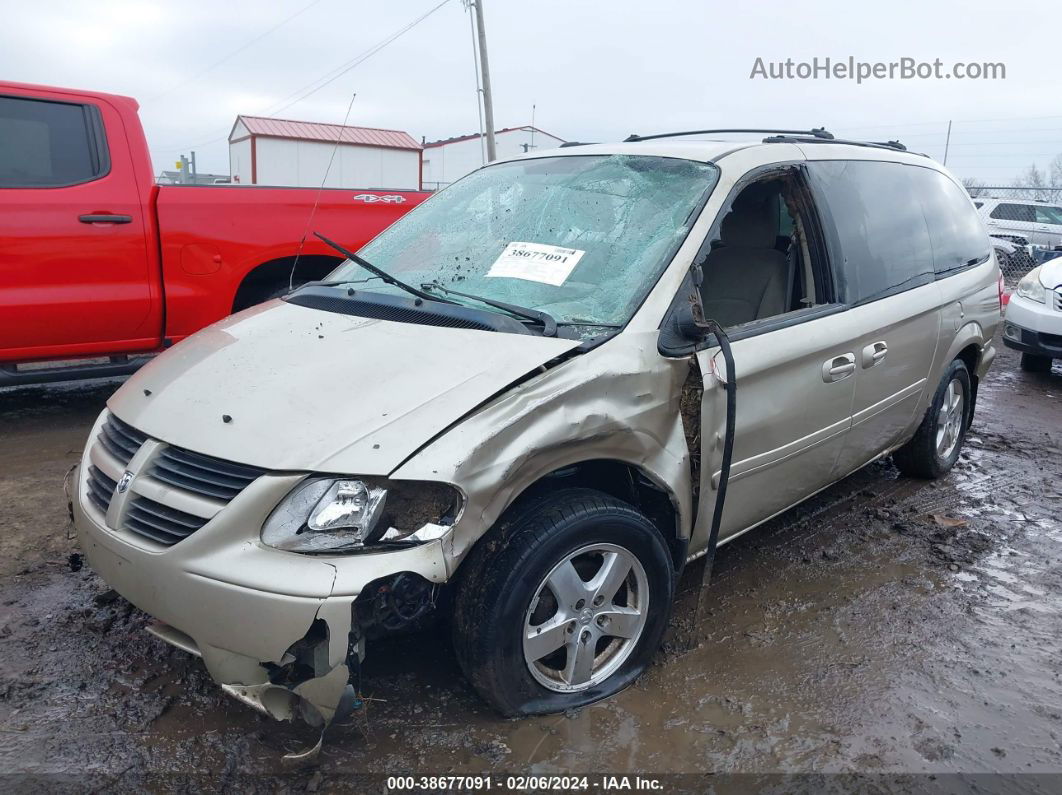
(1030, 288)
(350, 514)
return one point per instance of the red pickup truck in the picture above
(97, 260)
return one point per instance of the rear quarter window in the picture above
(880, 226)
(959, 238)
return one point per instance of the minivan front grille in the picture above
(120, 439)
(195, 482)
(202, 474)
(160, 523)
(100, 489)
(1058, 299)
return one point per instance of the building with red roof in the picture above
(268, 151)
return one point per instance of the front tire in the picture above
(935, 447)
(563, 604)
(1031, 363)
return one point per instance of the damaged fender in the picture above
(618, 402)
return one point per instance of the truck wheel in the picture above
(1035, 364)
(934, 448)
(563, 604)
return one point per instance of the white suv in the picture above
(1022, 221)
(1034, 317)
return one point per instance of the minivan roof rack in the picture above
(818, 133)
(896, 146)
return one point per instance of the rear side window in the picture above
(959, 238)
(880, 226)
(1014, 212)
(49, 144)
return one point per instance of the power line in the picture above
(944, 122)
(328, 77)
(232, 54)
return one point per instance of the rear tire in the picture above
(523, 625)
(1031, 363)
(935, 447)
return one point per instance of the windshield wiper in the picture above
(549, 325)
(388, 278)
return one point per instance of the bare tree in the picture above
(974, 186)
(1054, 171)
(1030, 184)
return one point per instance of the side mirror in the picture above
(689, 319)
(689, 315)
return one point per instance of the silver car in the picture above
(523, 402)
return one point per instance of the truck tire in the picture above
(1031, 363)
(935, 447)
(563, 603)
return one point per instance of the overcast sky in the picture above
(595, 69)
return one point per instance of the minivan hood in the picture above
(306, 389)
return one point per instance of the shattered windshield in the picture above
(582, 238)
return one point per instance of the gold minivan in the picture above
(514, 403)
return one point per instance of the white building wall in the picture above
(447, 163)
(240, 162)
(283, 161)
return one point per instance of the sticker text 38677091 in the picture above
(536, 262)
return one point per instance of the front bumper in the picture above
(259, 617)
(1033, 328)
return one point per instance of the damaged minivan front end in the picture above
(298, 479)
(276, 567)
(283, 632)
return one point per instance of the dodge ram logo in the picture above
(123, 482)
(372, 198)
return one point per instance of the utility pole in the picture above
(488, 102)
(947, 144)
(193, 168)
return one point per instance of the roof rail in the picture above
(566, 144)
(896, 146)
(818, 132)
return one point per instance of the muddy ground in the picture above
(889, 626)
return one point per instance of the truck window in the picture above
(1014, 212)
(880, 226)
(47, 144)
(959, 239)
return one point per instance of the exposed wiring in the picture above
(730, 387)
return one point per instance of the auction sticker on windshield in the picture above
(536, 262)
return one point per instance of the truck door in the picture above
(76, 277)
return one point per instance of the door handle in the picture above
(105, 218)
(874, 353)
(838, 368)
